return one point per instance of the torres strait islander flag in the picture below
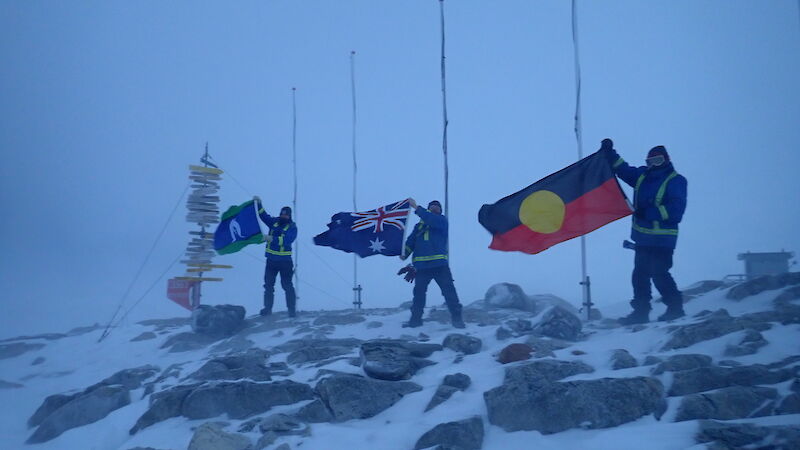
(569, 203)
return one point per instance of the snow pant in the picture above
(653, 263)
(443, 277)
(286, 270)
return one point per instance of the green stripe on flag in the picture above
(234, 210)
(234, 247)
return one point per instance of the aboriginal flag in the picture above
(569, 203)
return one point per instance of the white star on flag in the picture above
(376, 245)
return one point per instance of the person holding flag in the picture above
(282, 233)
(659, 201)
(428, 245)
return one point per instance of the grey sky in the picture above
(104, 104)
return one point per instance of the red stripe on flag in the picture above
(586, 213)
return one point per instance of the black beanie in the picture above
(434, 202)
(286, 210)
(658, 150)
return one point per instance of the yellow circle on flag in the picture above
(542, 212)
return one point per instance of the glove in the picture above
(607, 149)
(409, 271)
(640, 213)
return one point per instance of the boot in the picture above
(457, 320)
(265, 312)
(673, 312)
(635, 317)
(414, 322)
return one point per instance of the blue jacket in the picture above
(280, 248)
(428, 240)
(659, 201)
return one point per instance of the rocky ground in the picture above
(527, 372)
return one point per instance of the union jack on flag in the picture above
(376, 232)
(393, 215)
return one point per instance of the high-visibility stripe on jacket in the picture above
(428, 240)
(659, 199)
(279, 248)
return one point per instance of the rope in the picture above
(444, 117)
(160, 277)
(305, 282)
(355, 166)
(341, 277)
(141, 267)
(229, 175)
(587, 302)
(326, 293)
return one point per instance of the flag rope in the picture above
(356, 287)
(144, 263)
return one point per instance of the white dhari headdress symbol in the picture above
(235, 230)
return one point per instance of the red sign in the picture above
(184, 292)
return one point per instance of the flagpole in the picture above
(585, 282)
(444, 118)
(356, 287)
(294, 198)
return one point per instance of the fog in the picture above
(105, 104)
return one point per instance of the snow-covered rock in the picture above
(464, 434)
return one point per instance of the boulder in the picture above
(676, 363)
(651, 360)
(519, 327)
(393, 360)
(545, 347)
(81, 410)
(450, 385)
(502, 333)
(129, 378)
(123, 380)
(210, 436)
(714, 377)
(749, 344)
(462, 343)
(621, 359)
(763, 283)
(508, 295)
(461, 435)
(238, 400)
(514, 352)
(551, 407)
(353, 397)
(10, 385)
(747, 435)
(313, 354)
(17, 348)
(250, 365)
(559, 323)
(314, 412)
(299, 344)
(283, 425)
(538, 373)
(146, 336)
(242, 399)
(716, 324)
(185, 342)
(218, 320)
(735, 402)
(789, 405)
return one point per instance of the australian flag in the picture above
(376, 232)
